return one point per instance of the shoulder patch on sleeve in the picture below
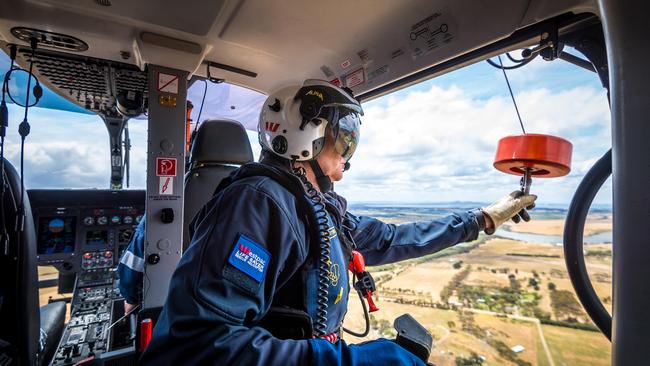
(250, 258)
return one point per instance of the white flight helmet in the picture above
(295, 120)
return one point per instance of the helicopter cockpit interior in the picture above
(127, 61)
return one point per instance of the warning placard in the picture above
(166, 167)
(354, 78)
(166, 186)
(167, 83)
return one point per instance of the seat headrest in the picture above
(221, 141)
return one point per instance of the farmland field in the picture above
(508, 290)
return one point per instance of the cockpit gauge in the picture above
(89, 221)
(138, 219)
(102, 220)
(115, 220)
(127, 220)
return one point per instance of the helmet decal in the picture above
(315, 93)
(272, 126)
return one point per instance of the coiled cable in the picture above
(318, 204)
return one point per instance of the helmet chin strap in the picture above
(324, 182)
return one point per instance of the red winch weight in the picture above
(544, 156)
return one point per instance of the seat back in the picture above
(19, 312)
(220, 146)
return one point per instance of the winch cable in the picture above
(512, 95)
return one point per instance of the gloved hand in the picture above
(373, 353)
(512, 206)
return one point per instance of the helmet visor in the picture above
(347, 136)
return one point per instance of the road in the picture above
(522, 318)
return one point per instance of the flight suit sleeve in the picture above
(131, 267)
(382, 243)
(245, 246)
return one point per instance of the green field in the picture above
(488, 297)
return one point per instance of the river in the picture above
(600, 238)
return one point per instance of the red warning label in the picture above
(336, 82)
(166, 186)
(167, 83)
(166, 167)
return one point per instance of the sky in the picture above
(432, 142)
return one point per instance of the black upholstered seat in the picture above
(220, 146)
(19, 315)
(32, 335)
(52, 322)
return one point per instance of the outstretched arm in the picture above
(382, 243)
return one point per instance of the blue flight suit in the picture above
(131, 267)
(250, 248)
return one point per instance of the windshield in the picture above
(226, 101)
(68, 147)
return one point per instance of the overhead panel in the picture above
(90, 83)
(361, 44)
(190, 16)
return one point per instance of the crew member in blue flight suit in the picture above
(131, 269)
(259, 283)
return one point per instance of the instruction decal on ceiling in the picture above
(354, 78)
(167, 83)
(364, 56)
(430, 33)
(377, 72)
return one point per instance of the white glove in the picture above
(512, 206)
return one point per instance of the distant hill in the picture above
(408, 211)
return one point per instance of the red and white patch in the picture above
(336, 82)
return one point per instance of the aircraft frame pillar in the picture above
(628, 51)
(165, 175)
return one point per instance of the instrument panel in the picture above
(80, 230)
(83, 234)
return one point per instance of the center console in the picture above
(83, 233)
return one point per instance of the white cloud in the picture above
(423, 146)
(439, 144)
